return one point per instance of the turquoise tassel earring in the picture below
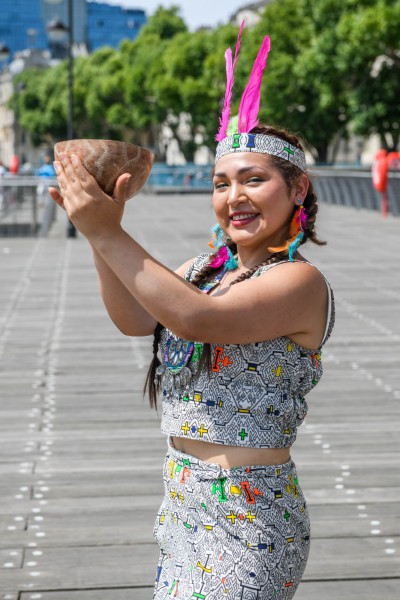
(224, 255)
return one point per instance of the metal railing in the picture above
(26, 208)
(353, 187)
(334, 185)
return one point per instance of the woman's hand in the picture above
(94, 213)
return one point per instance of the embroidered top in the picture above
(253, 394)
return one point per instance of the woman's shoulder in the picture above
(307, 282)
(288, 268)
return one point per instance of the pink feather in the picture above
(230, 69)
(220, 258)
(303, 218)
(250, 102)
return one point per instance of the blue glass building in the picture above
(108, 25)
(23, 23)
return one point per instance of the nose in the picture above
(236, 193)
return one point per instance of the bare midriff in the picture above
(231, 456)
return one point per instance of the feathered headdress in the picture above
(234, 133)
(234, 136)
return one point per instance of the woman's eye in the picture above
(219, 185)
(255, 180)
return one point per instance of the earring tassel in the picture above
(296, 233)
(217, 239)
(232, 263)
(294, 245)
(220, 258)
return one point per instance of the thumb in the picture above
(121, 187)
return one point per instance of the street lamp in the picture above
(57, 29)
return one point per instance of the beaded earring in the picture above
(224, 255)
(296, 232)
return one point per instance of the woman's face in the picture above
(251, 200)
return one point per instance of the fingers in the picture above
(120, 192)
(78, 170)
(71, 172)
(56, 196)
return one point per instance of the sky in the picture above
(194, 12)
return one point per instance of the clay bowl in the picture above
(106, 160)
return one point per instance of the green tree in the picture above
(165, 23)
(110, 98)
(42, 102)
(369, 59)
(333, 65)
(301, 88)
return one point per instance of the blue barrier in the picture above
(335, 185)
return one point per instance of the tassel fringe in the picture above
(296, 233)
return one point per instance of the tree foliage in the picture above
(369, 53)
(333, 65)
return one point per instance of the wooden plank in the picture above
(142, 593)
(80, 448)
(365, 589)
(84, 567)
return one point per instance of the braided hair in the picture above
(290, 174)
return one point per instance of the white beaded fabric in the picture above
(106, 160)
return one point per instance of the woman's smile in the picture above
(241, 219)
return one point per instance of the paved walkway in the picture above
(81, 453)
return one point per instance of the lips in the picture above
(239, 219)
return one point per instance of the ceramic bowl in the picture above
(106, 160)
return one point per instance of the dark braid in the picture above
(311, 205)
(150, 385)
(290, 174)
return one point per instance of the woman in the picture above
(239, 334)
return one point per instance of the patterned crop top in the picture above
(252, 395)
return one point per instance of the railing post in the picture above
(34, 211)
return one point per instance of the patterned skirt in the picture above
(230, 534)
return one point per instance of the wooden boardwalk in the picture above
(81, 453)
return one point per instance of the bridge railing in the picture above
(26, 208)
(348, 186)
(353, 187)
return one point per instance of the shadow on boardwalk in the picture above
(81, 453)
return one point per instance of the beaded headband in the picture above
(262, 144)
(241, 139)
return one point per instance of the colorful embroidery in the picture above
(227, 533)
(252, 395)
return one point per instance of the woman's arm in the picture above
(288, 300)
(124, 310)
(127, 314)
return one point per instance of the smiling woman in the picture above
(238, 336)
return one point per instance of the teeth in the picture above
(242, 217)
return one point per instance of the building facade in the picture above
(250, 13)
(108, 24)
(23, 23)
(23, 30)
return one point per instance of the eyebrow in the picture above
(239, 172)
